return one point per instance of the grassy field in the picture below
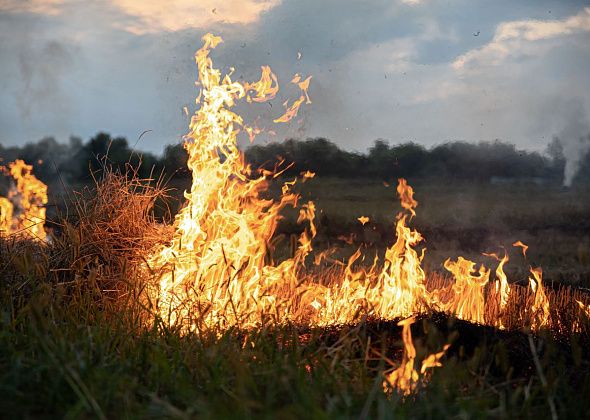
(465, 219)
(69, 349)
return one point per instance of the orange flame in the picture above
(540, 306)
(405, 378)
(469, 301)
(266, 88)
(292, 110)
(521, 245)
(406, 194)
(6, 209)
(24, 210)
(216, 266)
(501, 286)
(363, 219)
(307, 175)
(584, 308)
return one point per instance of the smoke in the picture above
(41, 70)
(575, 140)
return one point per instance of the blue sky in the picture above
(420, 70)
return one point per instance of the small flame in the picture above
(469, 300)
(307, 175)
(405, 378)
(266, 88)
(363, 219)
(406, 194)
(23, 212)
(293, 109)
(521, 245)
(584, 308)
(501, 286)
(540, 306)
(6, 209)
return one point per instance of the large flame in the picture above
(23, 212)
(218, 270)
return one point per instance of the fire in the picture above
(406, 194)
(521, 245)
(468, 302)
(218, 270)
(23, 212)
(400, 290)
(502, 288)
(405, 378)
(307, 175)
(585, 308)
(217, 265)
(266, 88)
(293, 109)
(6, 209)
(540, 306)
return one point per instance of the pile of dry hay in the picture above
(97, 249)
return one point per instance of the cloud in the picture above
(380, 68)
(44, 7)
(522, 38)
(175, 15)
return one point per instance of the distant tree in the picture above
(477, 162)
(174, 160)
(115, 152)
(381, 158)
(410, 160)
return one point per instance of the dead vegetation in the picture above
(99, 246)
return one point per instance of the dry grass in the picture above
(100, 247)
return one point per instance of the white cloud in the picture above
(522, 38)
(175, 15)
(45, 7)
(152, 16)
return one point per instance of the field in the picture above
(68, 349)
(455, 218)
(468, 219)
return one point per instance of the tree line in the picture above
(74, 162)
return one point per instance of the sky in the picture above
(402, 70)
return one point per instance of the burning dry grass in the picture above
(210, 278)
(565, 316)
(93, 270)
